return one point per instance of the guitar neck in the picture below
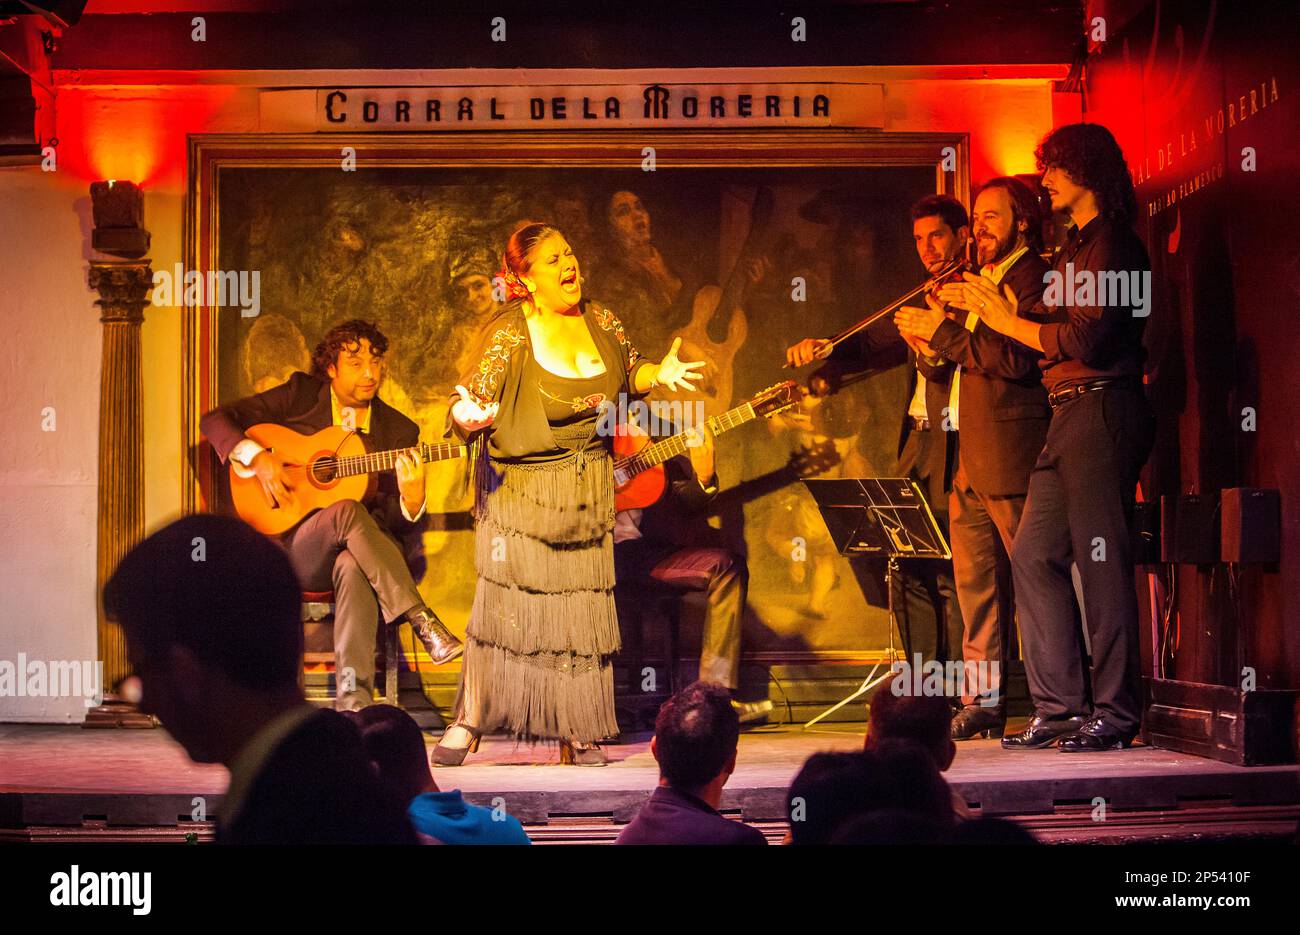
(374, 461)
(660, 451)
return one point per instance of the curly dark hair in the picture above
(342, 336)
(1089, 155)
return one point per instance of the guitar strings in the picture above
(331, 466)
(676, 444)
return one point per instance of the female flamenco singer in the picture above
(543, 629)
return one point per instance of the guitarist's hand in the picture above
(469, 415)
(410, 478)
(808, 350)
(270, 470)
(699, 446)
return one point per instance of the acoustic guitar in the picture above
(639, 460)
(324, 468)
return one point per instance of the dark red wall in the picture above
(1223, 331)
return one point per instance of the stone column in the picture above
(123, 287)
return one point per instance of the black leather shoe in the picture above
(1097, 734)
(437, 639)
(978, 721)
(454, 756)
(1040, 732)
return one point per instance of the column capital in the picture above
(123, 287)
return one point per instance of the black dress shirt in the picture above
(1099, 338)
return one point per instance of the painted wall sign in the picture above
(605, 106)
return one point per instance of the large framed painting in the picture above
(740, 243)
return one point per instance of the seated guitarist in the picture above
(649, 549)
(347, 547)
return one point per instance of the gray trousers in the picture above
(342, 548)
(982, 530)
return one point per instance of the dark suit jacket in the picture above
(302, 403)
(672, 817)
(318, 787)
(1003, 407)
(680, 516)
(881, 348)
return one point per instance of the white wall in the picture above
(49, 356)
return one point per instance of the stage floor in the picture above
(70, 782)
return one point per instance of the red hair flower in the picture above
(515, 289)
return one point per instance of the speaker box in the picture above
(1252, 525)
(1168, 510)
(1145, 532)
(1189, 529)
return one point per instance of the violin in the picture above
(951, 272)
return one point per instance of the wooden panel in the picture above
(1245, 728)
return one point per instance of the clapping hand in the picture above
(978, 295)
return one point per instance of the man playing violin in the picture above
(927, 439)
(347, 547)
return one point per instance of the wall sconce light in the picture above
(118, 209)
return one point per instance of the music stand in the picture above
(886, 516)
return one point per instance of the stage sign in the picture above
(571, 106)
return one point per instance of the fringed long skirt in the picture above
(543, 629)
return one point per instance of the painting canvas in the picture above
(738, 261)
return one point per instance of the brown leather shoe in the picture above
(433, 633)
(573, 753)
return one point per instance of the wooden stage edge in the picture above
(63, 783)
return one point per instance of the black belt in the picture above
(1059, 397)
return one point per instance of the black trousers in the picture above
(925, 593)
(1078, 509)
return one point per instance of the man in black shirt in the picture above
(1081, 491)
(924, 589)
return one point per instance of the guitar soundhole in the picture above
(323, 471)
